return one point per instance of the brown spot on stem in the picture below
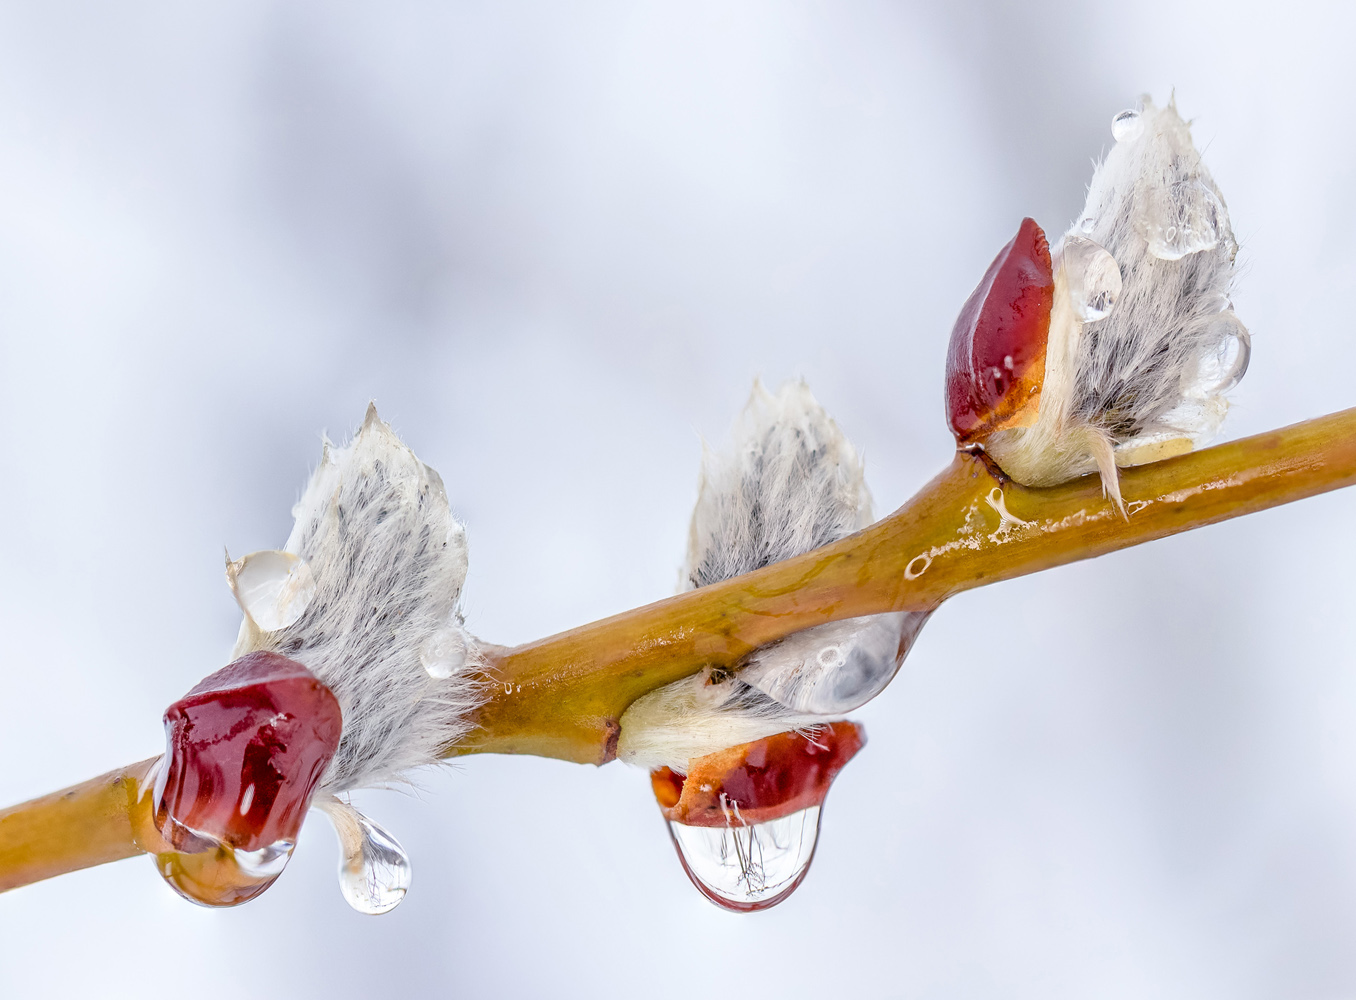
(613, 728)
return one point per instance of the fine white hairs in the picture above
(790, 482)
(387, 559)
(1143, 341)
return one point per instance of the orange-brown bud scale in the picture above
(766, 779)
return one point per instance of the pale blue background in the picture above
(556, 242)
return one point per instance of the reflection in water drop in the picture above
(748, 867)
(444, 653)
(1094, 278)
(374, 870)
(267, 862)
(273, 588)
(1126, 126)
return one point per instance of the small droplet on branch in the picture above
(444, 653)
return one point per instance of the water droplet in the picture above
(745, 820)
(273, 588)
(1181, 218)
(1224, 367)
(1126, 126)
(444, 653)
(1093, 276)
(748, 867)
(374, 870)
(220, 876)
(832, 669)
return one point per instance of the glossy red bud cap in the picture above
(244, 751)
(745, 820)
(996, 362)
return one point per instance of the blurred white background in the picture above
(555, 243)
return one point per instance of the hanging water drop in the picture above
(444, 653)
(745, 820)
(1093, 276)
(374, 870)
(222, 876)
(748, 867)
(1127, 126)
(273, 588)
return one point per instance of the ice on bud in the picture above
(245, 750)
(745, 820)
(273, 588)
(374, 870)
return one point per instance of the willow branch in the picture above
(564, 696)
(107, 818)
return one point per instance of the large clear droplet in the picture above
(1127, 126)
(748, 867)
(1180, 218)
(832, 669)
(222, 876)
(1094, 278)
(444, 653)
(274, 588)
(374, 870)
(1224, 367)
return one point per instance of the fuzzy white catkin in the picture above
(1148, 380)
(389, 559)
(789, 483)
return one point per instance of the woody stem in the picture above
(104, 819)
(564, 696)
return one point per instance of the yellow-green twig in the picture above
(564, 696)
